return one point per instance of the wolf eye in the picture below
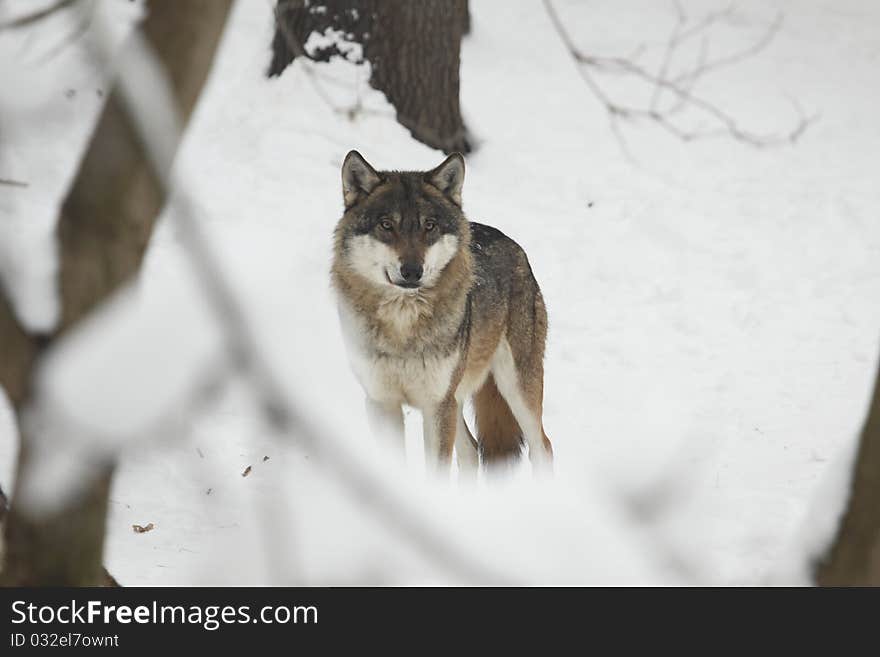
(430, 225)
(386, 225)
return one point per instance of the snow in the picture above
(352, 51)
(713, 315)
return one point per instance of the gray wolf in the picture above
(437, 310)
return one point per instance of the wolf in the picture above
(436, 310)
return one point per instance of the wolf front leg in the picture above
(440, 426)
(386, 423)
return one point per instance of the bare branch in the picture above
(661, 117)
(680, 86)
(737, 57)
(667, 55)
(706, 22)
(689, 80)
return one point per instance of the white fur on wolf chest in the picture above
(421, 381)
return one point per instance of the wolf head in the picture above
(401, 228)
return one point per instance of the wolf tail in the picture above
(499, 436)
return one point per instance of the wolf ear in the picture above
(358, 178)
(449, 177)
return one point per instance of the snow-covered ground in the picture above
(713, 307)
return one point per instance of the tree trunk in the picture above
(104, 228)
(854, 557)
(413, 49)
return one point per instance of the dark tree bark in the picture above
(105, 225)
(465, 17)
(413, 49)
(854, 557)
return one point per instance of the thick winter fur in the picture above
(436, 310)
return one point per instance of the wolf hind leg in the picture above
(525, 402)
(465, 448)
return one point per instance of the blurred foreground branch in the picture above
(279, 410)
(35, 17)
(104, 227)
(140, 105)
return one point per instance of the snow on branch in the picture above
(680, 85)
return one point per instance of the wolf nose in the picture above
(411, 272)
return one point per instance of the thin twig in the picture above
(689, 79)
(13, 183)
(737, 57)
(706, 22)
(680, 86)
(667, 55)
(726, 119)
